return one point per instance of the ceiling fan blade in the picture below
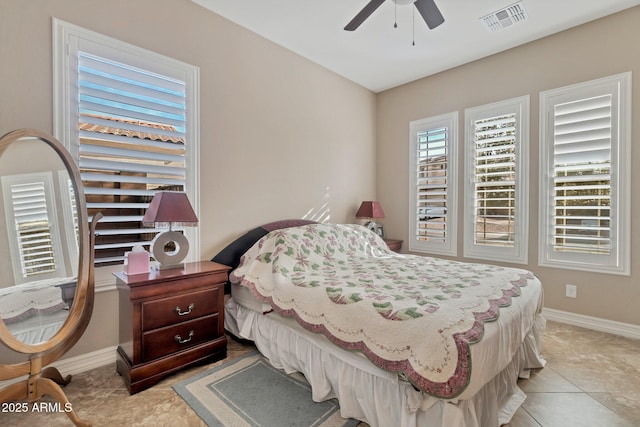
(430, 13)
(363, 14)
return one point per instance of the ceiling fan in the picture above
(427, 8)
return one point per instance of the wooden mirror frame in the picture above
(47, 381)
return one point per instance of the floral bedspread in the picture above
(408, 314)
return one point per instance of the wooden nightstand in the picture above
(170, 319)
(394, 244)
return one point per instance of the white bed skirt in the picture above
(372, 395)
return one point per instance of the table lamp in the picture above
(170, 208)
(371, 210)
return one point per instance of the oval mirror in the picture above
(41, 235)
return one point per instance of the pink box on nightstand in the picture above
(136, 261)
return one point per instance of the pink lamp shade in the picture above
(370, 209)
(170, 208)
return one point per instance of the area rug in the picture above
(248, 391)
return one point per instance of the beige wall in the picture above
(598, 49)
(281, 137)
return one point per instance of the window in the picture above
(433, 185)
(30, 211)
(585, 132)
(129, 118)
(496, 177)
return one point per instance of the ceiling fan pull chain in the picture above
(395, 9)
(413, 19)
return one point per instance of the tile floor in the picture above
(591, 379)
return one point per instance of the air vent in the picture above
(505, 17)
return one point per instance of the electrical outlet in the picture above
(571, 291)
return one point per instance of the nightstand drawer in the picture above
(180, 308)
(168, 340)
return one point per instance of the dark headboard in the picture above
(231, 254)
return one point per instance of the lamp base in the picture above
(171, 258)
(375, 227)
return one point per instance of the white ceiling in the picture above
(379, 56)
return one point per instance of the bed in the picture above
(399, 340)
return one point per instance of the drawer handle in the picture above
(184, 313)
(181, 341)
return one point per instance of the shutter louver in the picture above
(582, 176)
(132, 144)
(495, 181)
(432, 180)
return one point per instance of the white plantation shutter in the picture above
(130, 119)
(70, 226)
(74, 212)
(132, 144)
(33, 229)
(433, 192)
(494, 183)
(30, 211)
(432, 184)
(583, 176)
(496, 174)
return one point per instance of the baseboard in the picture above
(87, 361)
(78, 364)
(595, 323)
